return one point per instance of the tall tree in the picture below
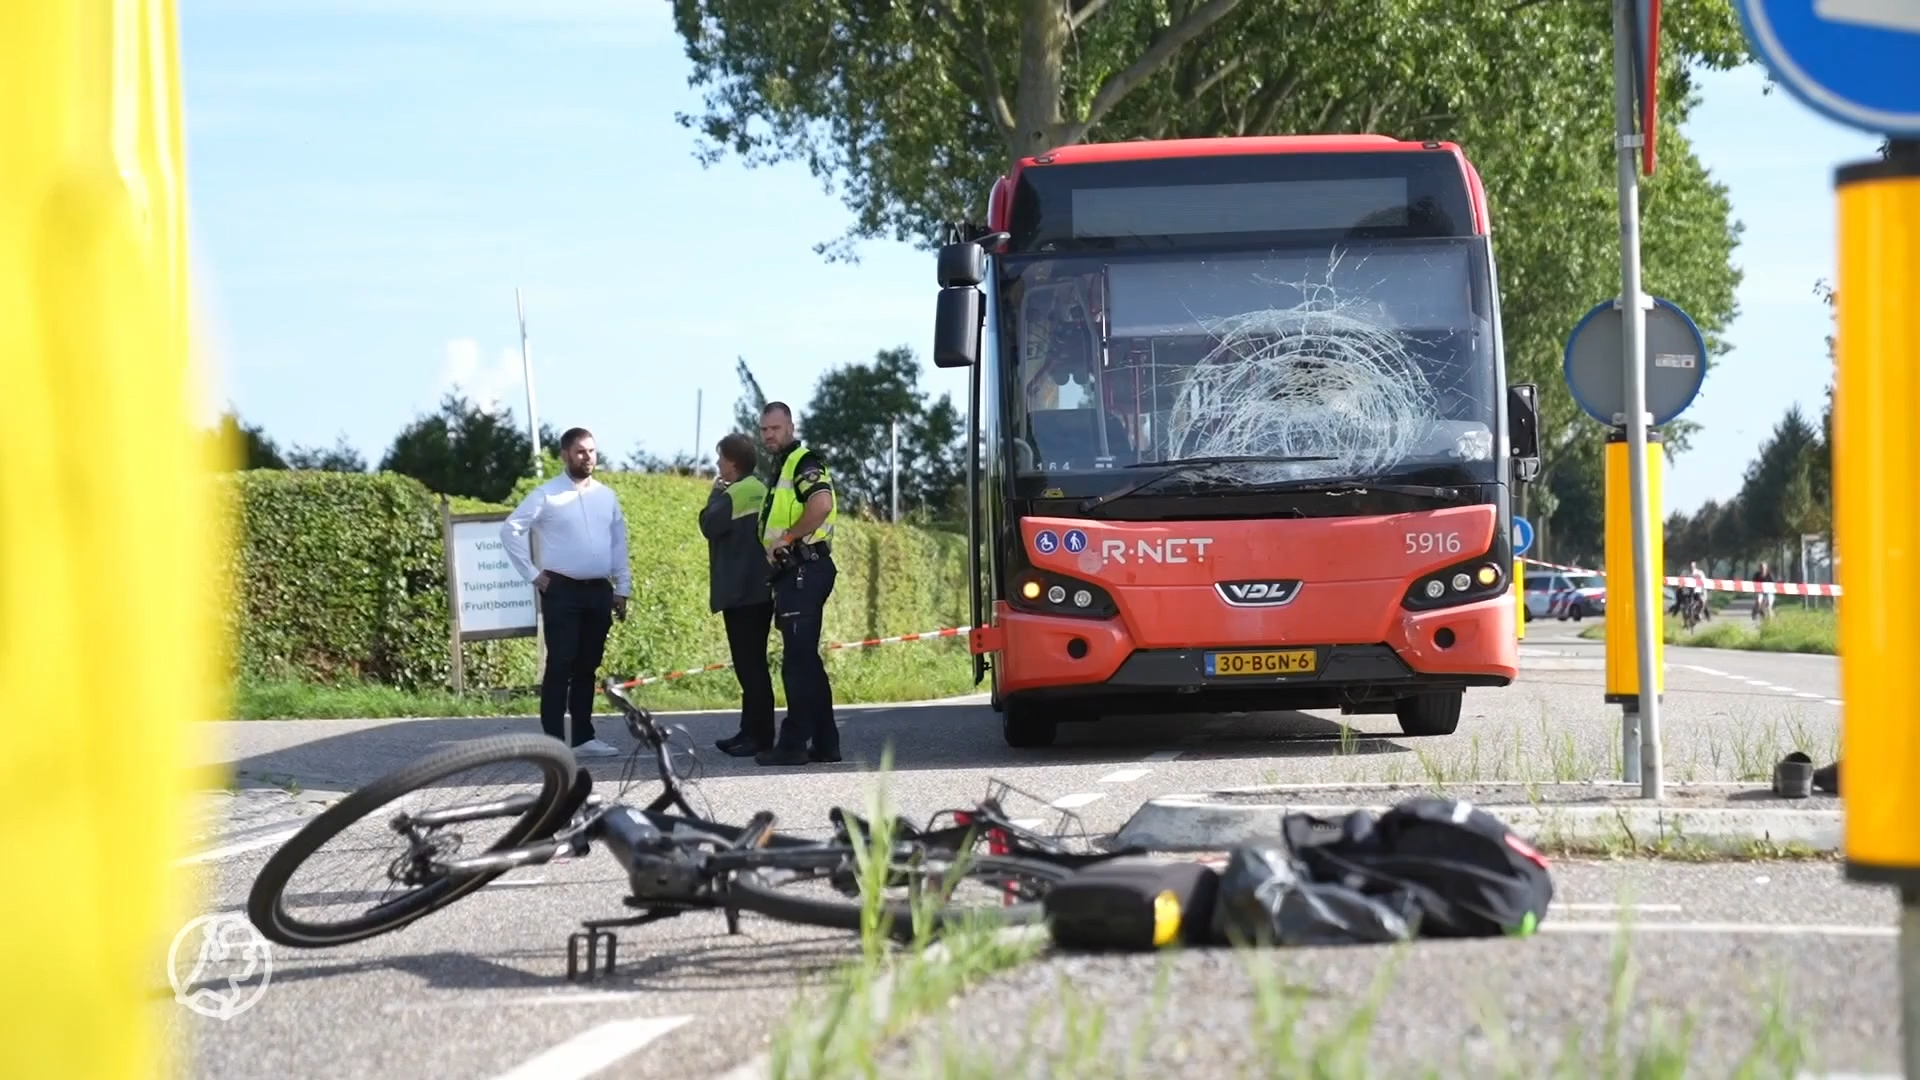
(464, 449)
(746, 408)
(342, 456)
(1777, 495)
(850, 421)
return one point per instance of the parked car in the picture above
(1565, 596)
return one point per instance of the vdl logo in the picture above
(1271, 593)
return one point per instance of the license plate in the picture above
(1285, 662)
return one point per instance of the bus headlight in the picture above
(1046, 593)
(1464, 583)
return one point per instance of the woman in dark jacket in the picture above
(738, 589)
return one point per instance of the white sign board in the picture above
(493, 598)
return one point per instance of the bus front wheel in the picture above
(1025, 725)
(1429, 714)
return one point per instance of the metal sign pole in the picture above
(1634, 307)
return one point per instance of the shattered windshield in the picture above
(1368, 358)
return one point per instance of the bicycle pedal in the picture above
(591, 939)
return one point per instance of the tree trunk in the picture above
(1036, 108)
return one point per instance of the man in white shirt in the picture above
(583, 579)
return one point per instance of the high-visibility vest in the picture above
(784, 507)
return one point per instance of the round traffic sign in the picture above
(1522, 535)
(1676, 363)
(1854, 61)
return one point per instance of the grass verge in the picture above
(1290, 1040)
(911, 671)
(1792, 629)
(876, 998)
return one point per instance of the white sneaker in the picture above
(594, 748)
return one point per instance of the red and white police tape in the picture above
(925, 635)
(1555, 601)
(1785, 588)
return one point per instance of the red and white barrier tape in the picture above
(925, 635)
(1784, 588)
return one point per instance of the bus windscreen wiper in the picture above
(1183, 467)
(1358, 485)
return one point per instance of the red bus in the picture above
(1240, 430)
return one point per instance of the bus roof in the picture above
(1149, 149)
(1138, 149)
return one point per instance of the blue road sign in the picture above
(1522, 535)
(1854, 61)
(1046, 542)
(1076, 541)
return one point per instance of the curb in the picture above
(1200, 823)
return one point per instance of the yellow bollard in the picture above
(1876, 469)
(1520, 599)
(110, 595)
(1623, 661)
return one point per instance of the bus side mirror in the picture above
(1523, 429)
(956, 327)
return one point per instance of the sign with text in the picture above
(491, 599)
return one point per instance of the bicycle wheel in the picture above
(540, 758)
(806, 898)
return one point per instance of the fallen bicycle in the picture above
(675, 862)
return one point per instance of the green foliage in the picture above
(341, 580)
(849, 421)
(466, 450)
(340, 577)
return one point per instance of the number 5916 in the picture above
(1428, 543)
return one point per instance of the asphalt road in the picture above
(477, 990)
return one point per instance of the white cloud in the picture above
(493, 386)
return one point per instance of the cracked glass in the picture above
(1373, 357)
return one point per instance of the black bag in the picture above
(1266, 898)
(1470, 874)
(1135, 903)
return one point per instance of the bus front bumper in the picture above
(1471, 645)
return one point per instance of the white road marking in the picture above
(1595, 926)
(1076, 800)
(1025, 822)
(236, 849)
(1762, 683)
(594, 1049)
(1164, 755)
(1124, 776)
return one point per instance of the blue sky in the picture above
(371, 179)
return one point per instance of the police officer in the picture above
(796, 528)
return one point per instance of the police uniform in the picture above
(801, 586)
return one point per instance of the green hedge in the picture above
(341, 578)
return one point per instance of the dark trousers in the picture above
(800, 601)
(747, 646)
(577, 616)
